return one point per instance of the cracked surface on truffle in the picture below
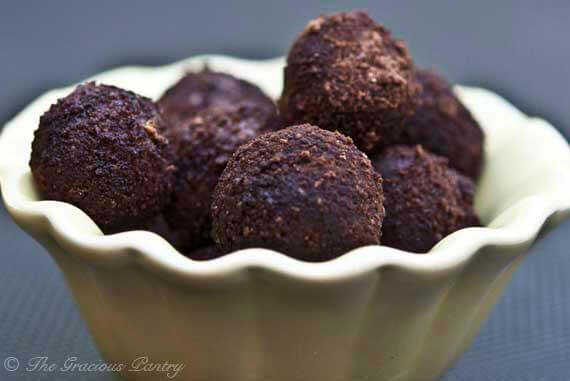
(99, 149)
(443, 125)
(346, 72)
(203, 145)
(303, 191)
(424, 200)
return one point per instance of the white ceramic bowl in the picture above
(375, 313)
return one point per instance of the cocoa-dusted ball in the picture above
(203, 144)
(197, 91)
(100, 149)
(424, 200)
(346, 72)
(303, 191)
(443, 125)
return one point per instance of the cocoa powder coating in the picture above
(197, 91)
(346, 72)
(203, 145)
(303, 191)
(424, 200)
(100, 149)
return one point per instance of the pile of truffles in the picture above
(361, 149)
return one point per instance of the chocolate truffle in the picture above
(424, 201)
(306, 192)
(345, 72)
(203, 145)
(442, 125)
(99, 149)
(197, 91)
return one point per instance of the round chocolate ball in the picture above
(346, 73)
(100, 149)
(203, 144)
(304, 191)
(424, 200)
(197, 91)
(444, 126)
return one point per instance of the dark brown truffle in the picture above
(345, 72)
(99, 149)
(203, 145)
(424, 200)
(197, 91)
(444, 126)
(303, 191)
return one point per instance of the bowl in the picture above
(375, 313)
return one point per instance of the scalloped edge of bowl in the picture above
(76, 232)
